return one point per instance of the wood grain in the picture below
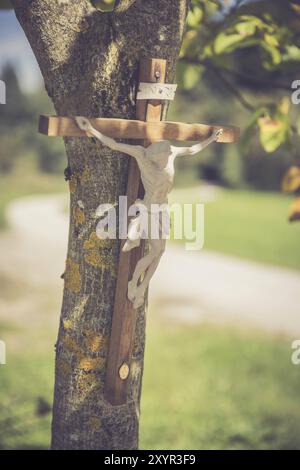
(137, 129)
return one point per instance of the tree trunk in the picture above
(89, 61)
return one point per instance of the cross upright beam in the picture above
(124, 315)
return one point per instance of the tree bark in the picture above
(89, 61)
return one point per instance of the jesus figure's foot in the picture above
(131, 291)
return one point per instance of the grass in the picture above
(219, 388)
(205, 387)
(250, 225)
(26, 382)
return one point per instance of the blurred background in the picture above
(218, 372)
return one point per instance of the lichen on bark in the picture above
(89, 61)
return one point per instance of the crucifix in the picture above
(150, 179)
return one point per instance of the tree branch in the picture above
(252, 82)
(233, 90)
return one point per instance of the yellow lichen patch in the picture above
(67, 324)
(94, 423)
(92, 242)
(72, 276)
(69, 343)
(85, 384)
(73, 183)
(89, 364)
(98, 252)
(71, 322)
(79, 217)
(85, 176)
(94, 341)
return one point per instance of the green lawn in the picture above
(26, 380)
(219, 388)
(204, 388)
(249, 224)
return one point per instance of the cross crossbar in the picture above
(134, 129)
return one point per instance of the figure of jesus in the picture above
(156, 164)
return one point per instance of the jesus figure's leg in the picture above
(140, 291)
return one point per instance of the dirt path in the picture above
(212, 287)
(35, 246)
(188, 286)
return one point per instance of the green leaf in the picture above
(244, 33)
(195, 17)
(292, 52)
(271, 40)
(224, 42)
(273, 132)
(245, 28)
(274, 54)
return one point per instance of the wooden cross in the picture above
(149, 128)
